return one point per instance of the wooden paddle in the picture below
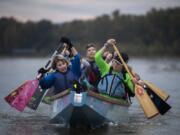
(145, 101)
(158, 96)
(160, 104)
(163, 95)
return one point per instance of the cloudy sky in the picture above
(67, 10)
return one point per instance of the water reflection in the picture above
(164, 73)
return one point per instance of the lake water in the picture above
(163, 72)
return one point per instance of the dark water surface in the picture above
(165, 73)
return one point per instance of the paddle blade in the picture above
(145, 101)
(11, 97)
(48, 94)
(163, 95)
(36, 98)
(160, 104)
(24, 94)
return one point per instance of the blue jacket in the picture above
(62, 81)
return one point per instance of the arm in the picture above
(74, 51)
(76, 65)
(129, 82)
(101, 63)
(47, 81)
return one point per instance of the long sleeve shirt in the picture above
(104, 68)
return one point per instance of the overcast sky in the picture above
(67, 10)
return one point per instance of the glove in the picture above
(67, 41)
(47, 100)
(87, 85)
(42, 71)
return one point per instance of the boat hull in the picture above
(86, 109)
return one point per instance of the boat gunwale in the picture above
(94, 95)
(107, 99)
(60, 95)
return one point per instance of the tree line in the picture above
(155, 33)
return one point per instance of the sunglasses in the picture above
(117, 62)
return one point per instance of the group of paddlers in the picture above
(101, 71)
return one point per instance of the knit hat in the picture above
(124, 56)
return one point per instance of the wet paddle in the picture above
(160, 104)
(145, 101)
(158, 96)
(163, 95)
(20, 97)
(39, 94)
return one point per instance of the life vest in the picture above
(93, 74)
(113, 85)
(59, 81)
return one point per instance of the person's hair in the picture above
(124, 56)
(90, 45)
(58, 58)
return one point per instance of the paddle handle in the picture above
(55, 53)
